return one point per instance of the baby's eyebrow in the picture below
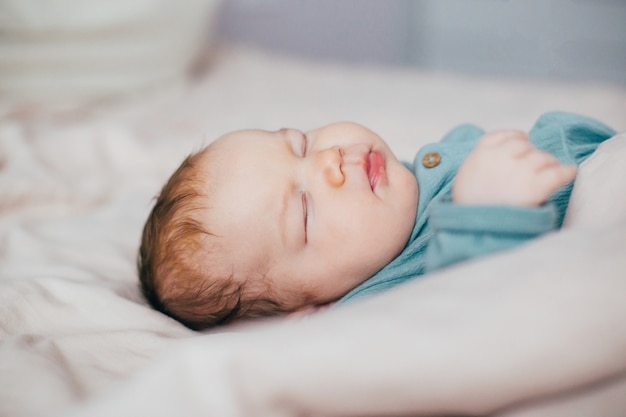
(288, 139)
(282, 219)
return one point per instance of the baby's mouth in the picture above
(374, 166)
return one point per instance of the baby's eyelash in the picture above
(305, 213)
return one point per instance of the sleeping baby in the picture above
(264, 223)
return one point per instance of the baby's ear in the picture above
(308, 310)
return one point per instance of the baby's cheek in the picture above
(407, 182)
(408, 197)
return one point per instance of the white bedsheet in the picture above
(537, 330)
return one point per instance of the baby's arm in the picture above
(505, 168)
(497, 199)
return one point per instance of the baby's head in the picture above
(262, 223)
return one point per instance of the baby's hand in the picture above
(505, 168)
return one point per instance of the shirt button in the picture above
(431, 159)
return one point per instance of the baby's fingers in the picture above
(538, 160)
(556, 176)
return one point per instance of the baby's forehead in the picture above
(234, 152)
(239, 137)
(210, 159)
(224, 149)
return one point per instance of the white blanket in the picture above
(536, 330)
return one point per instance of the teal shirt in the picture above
(445, 233)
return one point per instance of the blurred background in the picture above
(566, 39)
(66, 49)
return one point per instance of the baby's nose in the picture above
(330, 161)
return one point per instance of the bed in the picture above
(537, 331)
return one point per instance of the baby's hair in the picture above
(175, 256)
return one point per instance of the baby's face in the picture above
(316, 212)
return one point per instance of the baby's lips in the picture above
(375, 167)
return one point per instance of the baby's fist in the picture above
(505, 168)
